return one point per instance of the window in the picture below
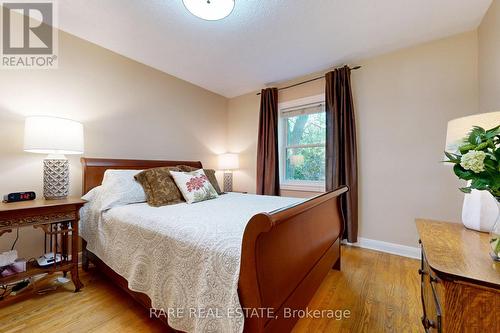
(302, 144)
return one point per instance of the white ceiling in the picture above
(263, 41)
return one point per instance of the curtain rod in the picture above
(310, 80)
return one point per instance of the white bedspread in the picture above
(186, 258)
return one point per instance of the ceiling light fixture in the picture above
(211, 10)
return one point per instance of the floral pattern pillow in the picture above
(194, 186)
(210, 173)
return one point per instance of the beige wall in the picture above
(129, 110)
(489, 60)
(403, 102)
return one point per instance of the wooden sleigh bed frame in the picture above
(285, 254)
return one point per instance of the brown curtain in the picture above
(267, 149)
(341, 150)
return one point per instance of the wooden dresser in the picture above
(460, 283)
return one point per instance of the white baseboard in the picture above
(392, 248)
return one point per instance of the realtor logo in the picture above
(28, 37)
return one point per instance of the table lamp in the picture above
(228, 163)
(54, 137)
(479, 210)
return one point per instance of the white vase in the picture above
(480, 211)
(495, 237)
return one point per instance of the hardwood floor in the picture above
(380, 290)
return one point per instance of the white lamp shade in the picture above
(51, 135)
(460, 127)
(229, 162)
(209, 10)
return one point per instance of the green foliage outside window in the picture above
(305, 152)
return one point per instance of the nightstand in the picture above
(460, 283)
(59, 221)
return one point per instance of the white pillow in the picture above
(90, 195)
(119, 188)
(93, 198)
(194, 185)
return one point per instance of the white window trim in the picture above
(303, 186)
(294, 185)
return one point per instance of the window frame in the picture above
(283, 109)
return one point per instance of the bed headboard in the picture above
(93, 168)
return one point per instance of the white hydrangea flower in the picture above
(473, 160)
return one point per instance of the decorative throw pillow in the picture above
(210, 173)
(119, 188)
(159, 186)
(194, 186)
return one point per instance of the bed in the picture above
(285, 253)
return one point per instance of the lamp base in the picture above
(55, 178)
(228, 182)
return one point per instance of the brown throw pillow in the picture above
(210, 173)
(159, 186)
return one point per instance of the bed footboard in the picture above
(285, 256)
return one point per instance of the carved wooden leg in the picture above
(74, 255)
(85, 256)
(65, 240)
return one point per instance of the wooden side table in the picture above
(59, 220)
(460, 283)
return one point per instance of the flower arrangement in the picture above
(478, 160)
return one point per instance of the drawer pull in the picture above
(421, 271)
(427, 323)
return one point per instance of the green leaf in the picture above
(475, 135)
(478, 129)
(466, 189)
(489, 163)
(462, 173)
(491, 133)
(465, 148)
(482, 146)
(491, 144)
(479, 184)
(452, 157)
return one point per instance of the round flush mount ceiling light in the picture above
(211, 10)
